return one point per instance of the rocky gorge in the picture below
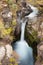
(10, 11)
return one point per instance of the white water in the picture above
(22, 30)
(34, 13)
(22, 47)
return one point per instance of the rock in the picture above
(40, 49)
(38, 63)
(39, 60)
(34, 32)
(5, 51)
(36, 24)
(9, 50)
(6, 15)
(34, 28)
(7, 22)
(37, 3)
(18, 29)
(21, 15)
(2, 53)
(25, 10)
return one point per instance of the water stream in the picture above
(22, 48)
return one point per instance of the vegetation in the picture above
(9, 23)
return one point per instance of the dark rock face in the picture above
(25, 9)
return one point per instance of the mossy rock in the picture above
(31, 34)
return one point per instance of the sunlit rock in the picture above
(2, 53)
(7, 50)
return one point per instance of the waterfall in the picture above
(22, 30)
(21, 47)
(34, 13)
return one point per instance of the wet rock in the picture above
(25, 10)
(18, 30)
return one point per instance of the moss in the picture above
(31, 34)
(31, 37)
(10, 61)
(13, 61)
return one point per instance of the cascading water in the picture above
(22, 47)
(34, 13)
(22, 30)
